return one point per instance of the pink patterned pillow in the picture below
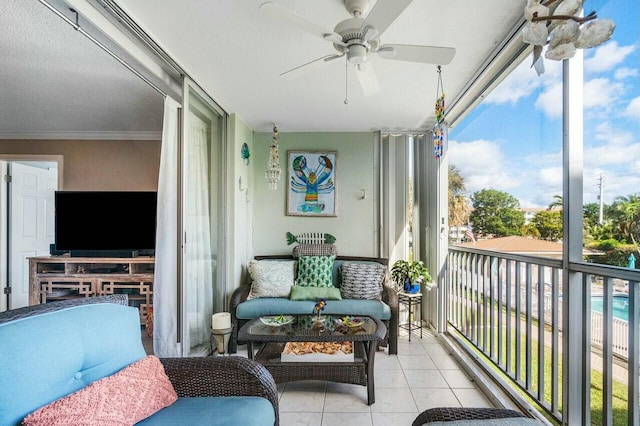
(124, 398)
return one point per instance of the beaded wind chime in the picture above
(438, 131)
(273, 167)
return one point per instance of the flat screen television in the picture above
(105, 223)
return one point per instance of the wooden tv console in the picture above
(64, 277)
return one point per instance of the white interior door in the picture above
(31, 220)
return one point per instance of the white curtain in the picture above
(165, 293)
(198, 282)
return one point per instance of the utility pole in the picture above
(600, 200)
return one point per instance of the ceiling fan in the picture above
(358, 37)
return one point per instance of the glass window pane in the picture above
(507, 159)
(612, 137)
(202, 200)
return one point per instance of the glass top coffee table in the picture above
(294, 347)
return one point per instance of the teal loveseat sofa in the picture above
(50, 351)
(385, 308)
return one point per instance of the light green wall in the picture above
(354, 226)
(241, 241)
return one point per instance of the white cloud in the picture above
(482, 164)
(551, 177)
(522, 82)
(611, 135)
(550, 101)
(618, 164)
(607, 57)
(633, 109)
(601, 93)
(607, 155)
(519, 84)
(624, 72)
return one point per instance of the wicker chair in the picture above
(191, 377)
(221, 376)
(449, 414)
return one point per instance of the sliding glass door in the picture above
(202, 219)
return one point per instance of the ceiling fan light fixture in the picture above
(364, 66)
(357, 53)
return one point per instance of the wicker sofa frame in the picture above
(389, 296)
(451, 414)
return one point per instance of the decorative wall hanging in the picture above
(438, 133)
(311, 183)
(310, 238)
(440, 98)
(273, 166)
(438, 142)
(562, 31)
(244, 153)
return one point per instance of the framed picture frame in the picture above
(311, 183)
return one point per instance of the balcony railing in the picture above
(507, 311)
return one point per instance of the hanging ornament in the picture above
(273, 167)
(438, 142)
(440, 98)
(438, 133)
(562, 32)
(244, 153)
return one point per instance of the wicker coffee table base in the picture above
(342, 372)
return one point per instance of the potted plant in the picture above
(409, 275)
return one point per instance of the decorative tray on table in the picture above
(318, 352)
(277, 320)
(350, 322)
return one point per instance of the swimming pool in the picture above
(620, 305)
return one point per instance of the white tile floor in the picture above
(421, 376)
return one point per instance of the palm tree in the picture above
(557, 202)
(530, 230)
(458, 204)
(627, 217)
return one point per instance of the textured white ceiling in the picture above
(237, 53)
(55, 79)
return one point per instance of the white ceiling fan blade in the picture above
(367, 78)
(276, 11)
(309, 66)
(411, 53)
(382, 15)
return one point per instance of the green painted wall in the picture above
(241, 197)
(354, 226)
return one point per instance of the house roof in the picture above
(522, 245)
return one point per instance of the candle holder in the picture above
(221, 337)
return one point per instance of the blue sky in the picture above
(513, 140)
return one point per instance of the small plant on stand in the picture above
(408, 276)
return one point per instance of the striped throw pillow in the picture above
(362, 280)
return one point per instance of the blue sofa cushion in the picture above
(255, 308)
(71, 348)
(227, 411)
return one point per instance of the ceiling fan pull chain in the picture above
(346, 81)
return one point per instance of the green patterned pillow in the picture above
(315, 271)
(315, 293)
